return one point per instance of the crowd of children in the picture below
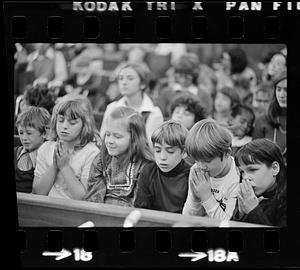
(173, 135)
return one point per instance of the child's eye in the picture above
(157, 150)
(73, 122)
(118, 136)
(170, 151)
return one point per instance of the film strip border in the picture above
(149, 247)
(82, 22)
(58, 22)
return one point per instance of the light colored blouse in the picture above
(80, 161)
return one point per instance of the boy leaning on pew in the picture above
(214, 178)
(32, 125)
(163, 184)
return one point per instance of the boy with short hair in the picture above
(32, 125)
(163, 184)
(214, 179)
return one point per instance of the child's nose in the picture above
(163, 155)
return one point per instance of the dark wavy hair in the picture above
(192, 104)
(264, 151)
(40, 96)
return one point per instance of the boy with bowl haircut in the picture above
(32, 125)
(214, 179)
(163, 184)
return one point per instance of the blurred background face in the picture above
(129, 81)
(185, 117)
(277, 64)
(136, 55)
(261, 101)
(83, 70)
(281, 93)
(185, 80)
(222, 102)
(242, 124)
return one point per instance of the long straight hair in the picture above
(138, 149)
(74, 108)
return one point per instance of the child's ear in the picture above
(275, 168)
(184, 154)
(46, 133)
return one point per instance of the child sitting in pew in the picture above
(63, 163)
(32, 125)
(262, 192)
(214, 179)
(163, 184)
(115, 171)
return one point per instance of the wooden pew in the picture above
(39, 210)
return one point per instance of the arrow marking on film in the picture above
(194, 255)
(59, 255)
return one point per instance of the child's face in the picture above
(68, 130)
(117, 137)
(241, 124)
(129, 82)
(222, 102)
(167, 157)
(281, 93)
(260, 176)
(30, 137)
(262, 100)
(185, 80)
(185, 117)
(213, 167)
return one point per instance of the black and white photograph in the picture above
(150, 134)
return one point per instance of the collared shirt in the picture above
(26, 160)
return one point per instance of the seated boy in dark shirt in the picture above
(32, 126)
(163, 184)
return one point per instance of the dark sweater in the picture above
(269, 212)
(163, 191)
